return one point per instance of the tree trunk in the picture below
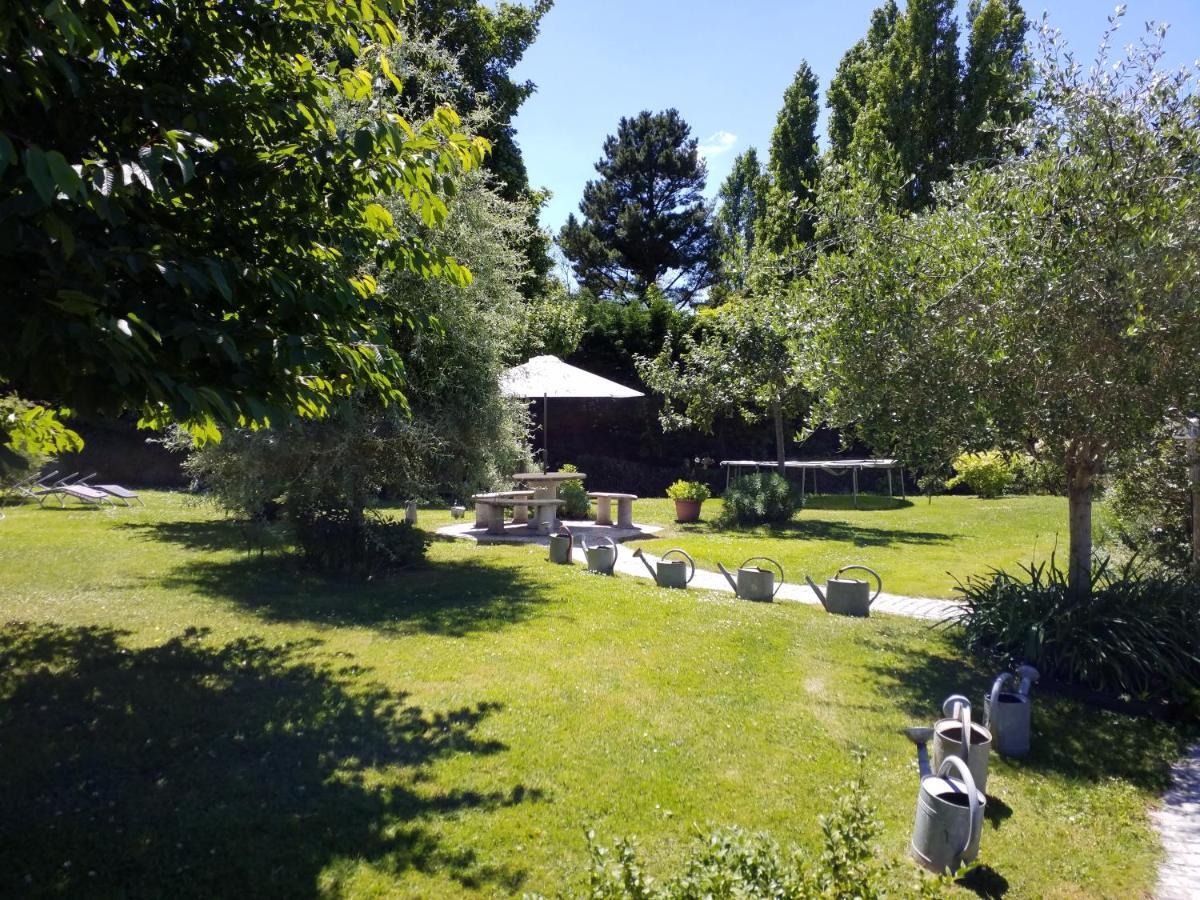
(780, 443)
(1079, 499)
(1193, 460)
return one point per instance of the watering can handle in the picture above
(878, 580)
(691, 562)
(772, 562)
(965, 716)
(968, 779)
(997, 686)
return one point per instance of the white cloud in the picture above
(717, 143)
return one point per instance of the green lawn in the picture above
(918, 548)
(178, 716)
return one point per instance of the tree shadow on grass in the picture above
(812, 529)
(200, 770)
(447, 598)
(1071, 740)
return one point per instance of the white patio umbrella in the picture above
(549, 376)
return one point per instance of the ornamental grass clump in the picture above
(1137, 635)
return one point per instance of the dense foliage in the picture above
(758, 498)
(1150, 500)
(730, 863)
(1046, 300)
(1137, 635)
(30, 434)
(185, 231)
(644, 220)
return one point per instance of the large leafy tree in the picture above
(1048, 301)
(736, 360)
(185, 232)
(645, 222)
(741, 204)
(485, 42)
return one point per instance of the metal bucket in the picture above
(949, 820)
(1008, 716)
(560, 546)
(601, 558)
(948, 739)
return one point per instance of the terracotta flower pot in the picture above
(687, 510)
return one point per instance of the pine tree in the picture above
(645, 223)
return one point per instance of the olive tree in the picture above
(1048, 300)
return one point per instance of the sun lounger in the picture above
(82, 493)
(120, 493)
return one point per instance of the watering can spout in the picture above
(638, 554)
(816, 590)
(921, 736)
(728, 577)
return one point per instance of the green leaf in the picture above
(37, 169)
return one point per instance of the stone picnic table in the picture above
(545, 484)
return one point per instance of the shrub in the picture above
(575, 495)
(987, 474)
(733, 863)
(1151, 503)
(334, 540)
(1136, 635)
(1038, 475)
(763, 497)
(689, 490)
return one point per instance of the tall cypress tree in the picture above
(904, 109)
(741, 203)
(645, 223)
(995, 90)
(794, 165)
(847, 93)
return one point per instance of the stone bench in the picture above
(604, 501)
(492, 511)
(484, 502)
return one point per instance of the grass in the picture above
(918, 548)
(178, 715)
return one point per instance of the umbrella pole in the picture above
(545, 432)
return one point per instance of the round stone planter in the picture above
(687, 510)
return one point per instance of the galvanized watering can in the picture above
(669, 573)
(848, 596)
(561, 543)
(601, 556)
(949, 819)
(1007, 714)
(754, 583)
(948, 739)
(457, 511)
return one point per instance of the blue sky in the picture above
(724, 65)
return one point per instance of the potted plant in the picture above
(688, 495)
